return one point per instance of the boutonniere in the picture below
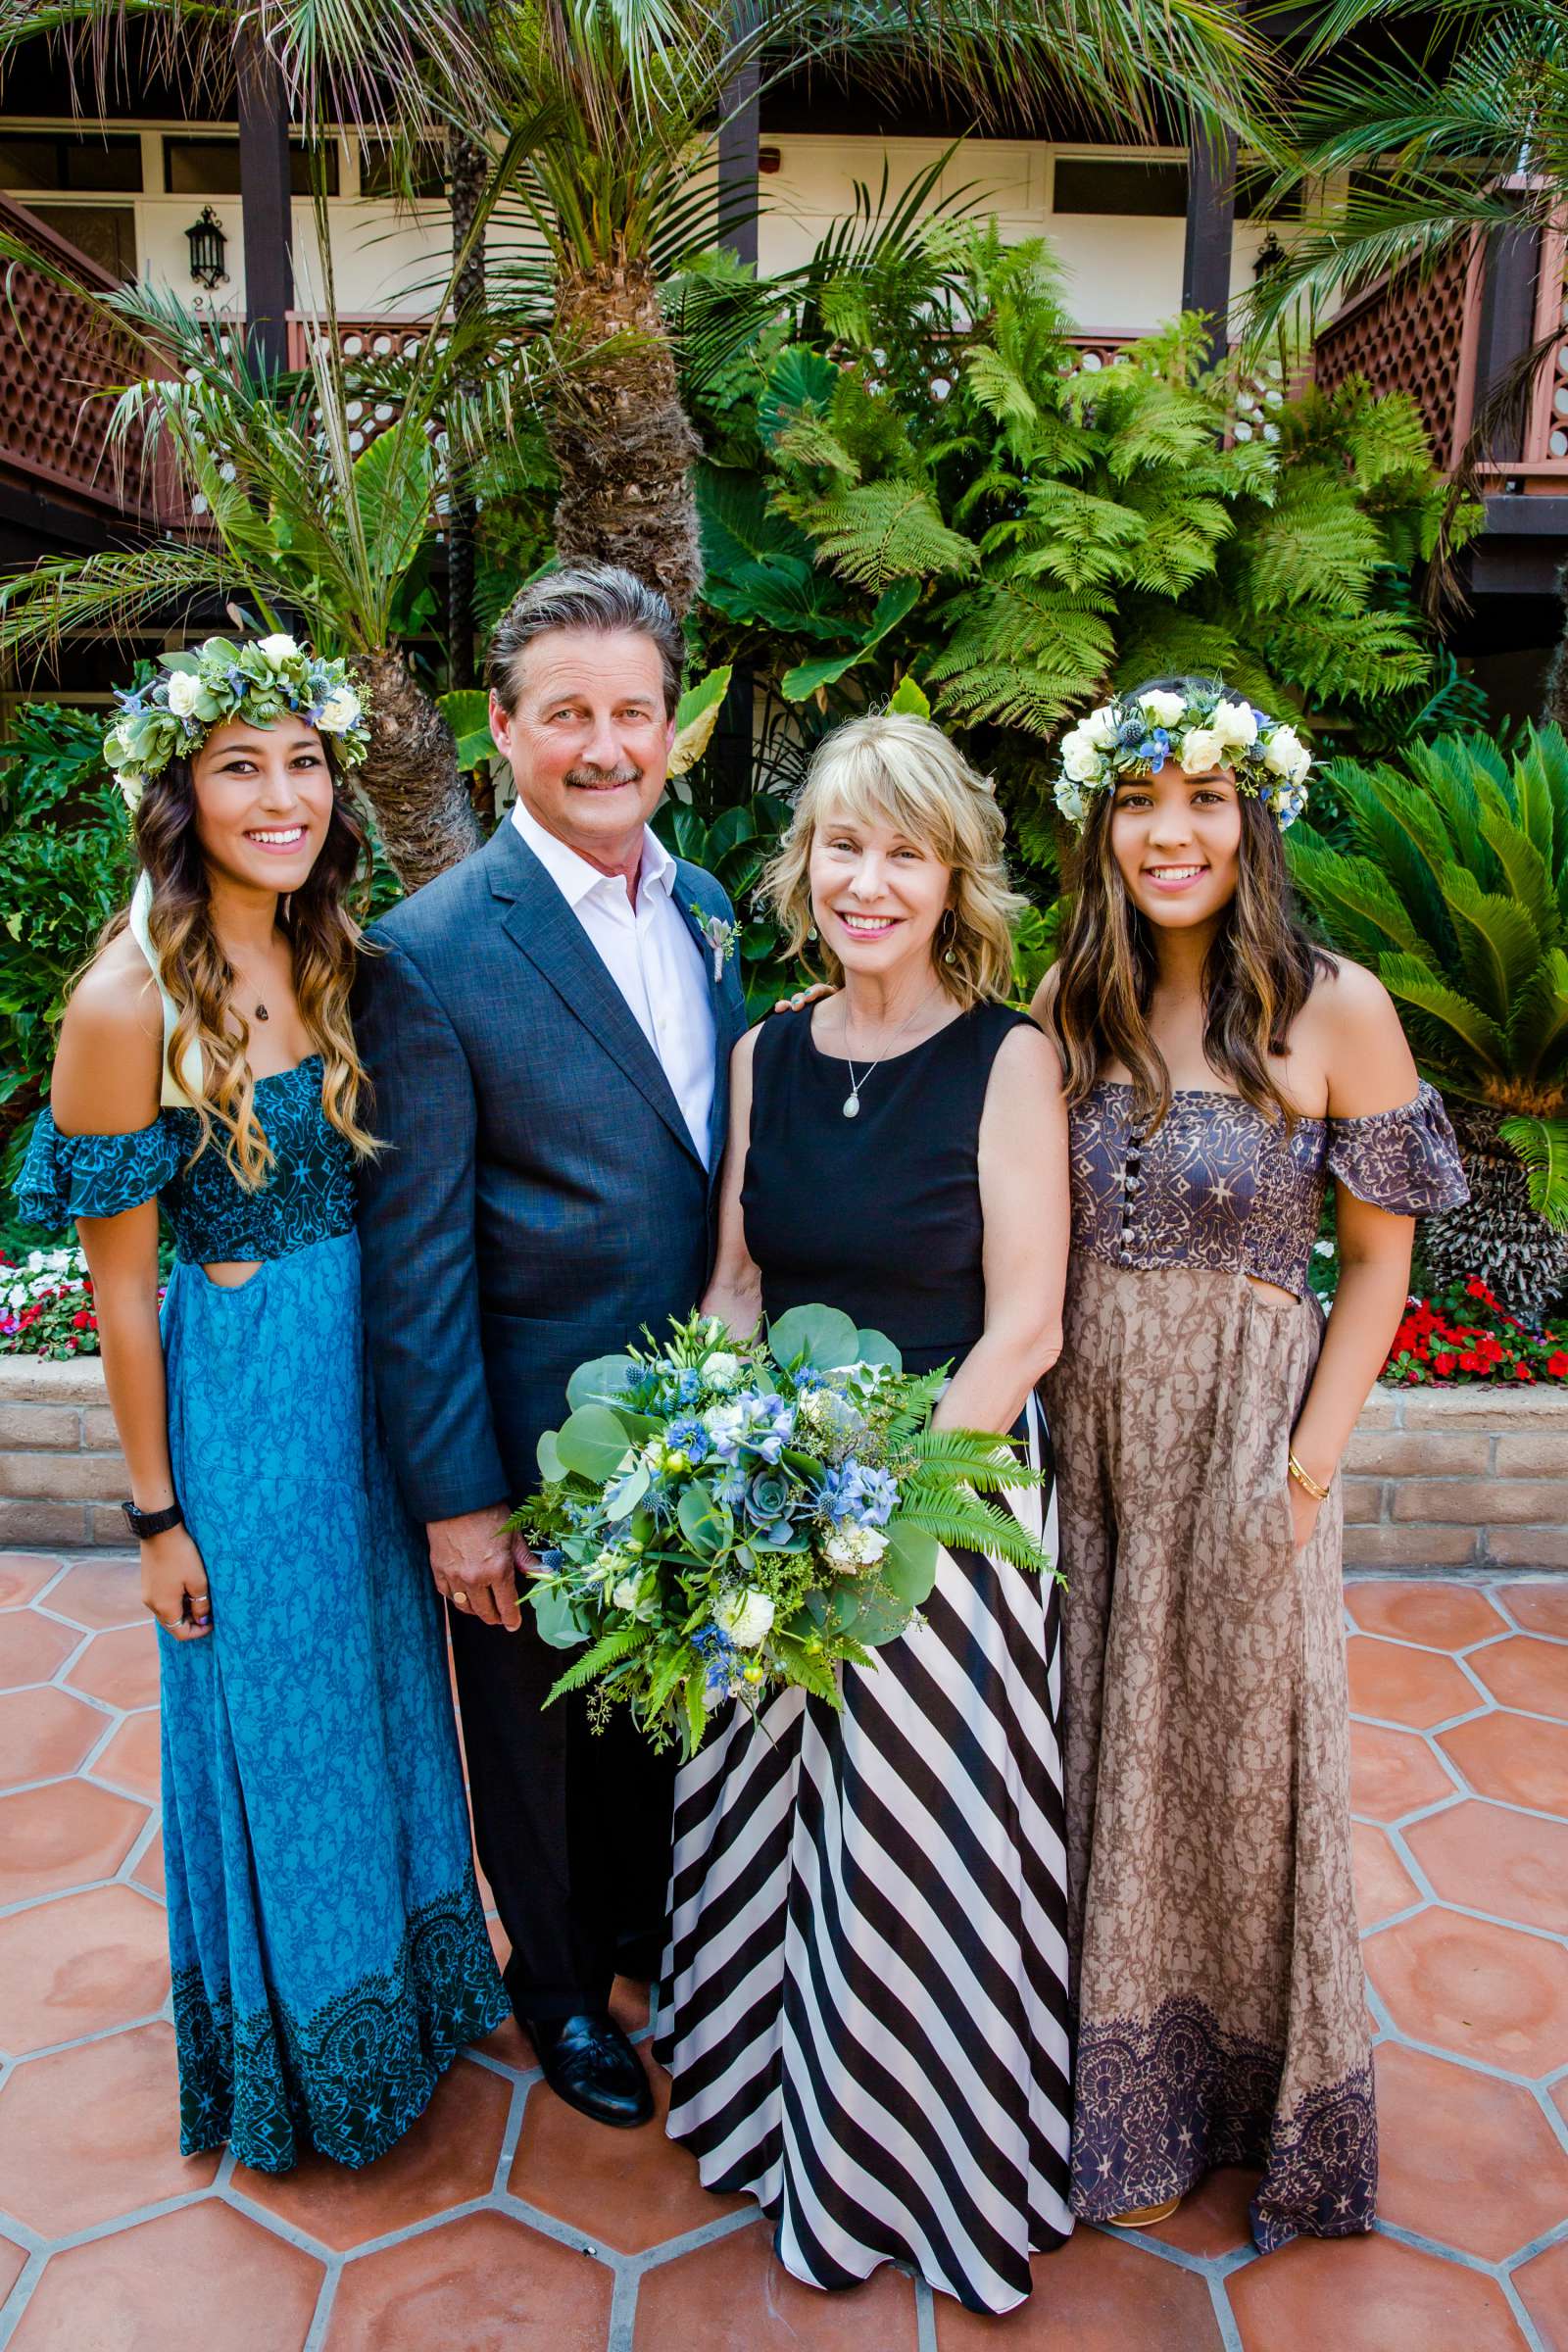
(720, 935)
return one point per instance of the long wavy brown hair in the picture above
(1258, 974)
(324, 935)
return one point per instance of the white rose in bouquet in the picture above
(747, 1617)
(721, 1370)
(855, 1548)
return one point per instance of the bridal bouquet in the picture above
(718, 1520)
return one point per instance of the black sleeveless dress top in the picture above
(877, 1215)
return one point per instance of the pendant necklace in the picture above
(852, 1101)
(261, 1013)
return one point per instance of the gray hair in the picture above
(602, 597)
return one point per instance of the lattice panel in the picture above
(1408, 335)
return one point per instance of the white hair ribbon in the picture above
(183, 1092)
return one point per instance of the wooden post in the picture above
(264, 186)
(739, 132)
(1210, 223)
(1505, 330)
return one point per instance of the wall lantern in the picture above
(1270, 256)
(208, 244)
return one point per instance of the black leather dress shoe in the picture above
(590, 2064)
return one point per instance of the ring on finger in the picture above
(459, 1601)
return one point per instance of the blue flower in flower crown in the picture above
(1198, 724)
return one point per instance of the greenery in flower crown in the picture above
(265, 679)
(1200, 727)
(721, 1519)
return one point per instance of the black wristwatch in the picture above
(152, 1523)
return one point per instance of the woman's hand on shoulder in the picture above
(1355, 1034)
(806, 996)
(108, 1063)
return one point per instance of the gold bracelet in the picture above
(1304, 1478)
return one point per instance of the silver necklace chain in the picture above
(852, 1101)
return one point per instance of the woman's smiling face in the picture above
(263, 802)
(1176, 840)
(877, 895)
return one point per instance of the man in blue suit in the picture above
(547, 1029)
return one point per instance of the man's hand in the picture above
(476, 1563)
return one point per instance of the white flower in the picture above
(184, 693)
(339, 711)
(851, 1548)
(747, 1617)
(1201, 750)
(278, 649)
(721, 1370)
(1162, 707)
(1071, 801)
(1285, 753)
(1100, 727)
(1079, 758)
(637, 1595)
(726, 1423)
(1234, 725)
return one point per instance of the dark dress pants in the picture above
(572, 1825)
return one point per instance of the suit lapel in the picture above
(540, 922)
(727, 1023)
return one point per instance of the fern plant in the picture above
(1454, 890)
(945, 490)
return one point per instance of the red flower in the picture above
(1445, 1364)
(1470, 1362)
(1558, 1365)
(1523, 1372)
(81, 1321)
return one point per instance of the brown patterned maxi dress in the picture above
(1218, 1990)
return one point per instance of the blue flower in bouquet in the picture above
(688, 1384)
(853, 1492)
(725, 1425)
(718, 1655)
(687, 1435)
(771, 1425)
(729, 1485)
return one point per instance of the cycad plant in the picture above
(1455, 893)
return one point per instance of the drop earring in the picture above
(949, 927)
(810, 930)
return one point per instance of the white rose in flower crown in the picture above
(278, 649)
(1100, 727)
(1079, 758)
(1234, 725)
(747, 1617)
(1201, 750)
(1285, 751)
(184, 693)
(339, 711)
(1162, 707)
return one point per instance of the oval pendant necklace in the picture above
(261, 1013)
(852, 1101)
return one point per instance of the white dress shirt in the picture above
(650, 955)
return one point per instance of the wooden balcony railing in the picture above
(1416, 333)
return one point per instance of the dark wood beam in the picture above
(739, 130)
(263, 185)
(1210, 227)
(1505, 332)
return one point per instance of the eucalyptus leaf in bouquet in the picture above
(718, 1520)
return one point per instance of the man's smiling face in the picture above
(588, 737)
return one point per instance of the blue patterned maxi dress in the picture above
(327, 1947)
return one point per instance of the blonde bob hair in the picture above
(903, 773)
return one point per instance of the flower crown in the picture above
(264, 680)
(1201, 728)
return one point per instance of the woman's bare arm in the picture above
(734, 1292)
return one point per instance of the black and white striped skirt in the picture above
(864, 1997)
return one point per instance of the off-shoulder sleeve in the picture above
(1404, 1160)
(66, 1176)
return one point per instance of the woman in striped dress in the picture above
(864, 2000)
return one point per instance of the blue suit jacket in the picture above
(539, 1199)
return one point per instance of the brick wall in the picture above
(1458, 1478)
(1433, 1479)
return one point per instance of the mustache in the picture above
(590, 777)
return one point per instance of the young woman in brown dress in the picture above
(1219, 1070)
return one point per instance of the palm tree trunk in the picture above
(411, 777)
(1496, 1233)
(466, 163)
(622, 439)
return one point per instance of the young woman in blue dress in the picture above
(327, 1947)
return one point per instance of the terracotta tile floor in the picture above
(503, 2223)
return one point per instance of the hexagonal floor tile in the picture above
(1367, 2294)
(1543, 2290)
(189, 2281)
(131, 1760)
(1464, 2159)
(1530, 1675)
(736, 2296)
(1393, 1774)
(626, 2190)
(1486, 1992)
(92, 2132)
(1397, 1684)
(487, 2282)
(67, 1834)
(149, 1871)
(99, 1594)
(33, 1649)
(1493, 1859)
(22, 1574)
(44, 1733)
(1383, 1884)
(1516, 1758)
(79, 1965)
(1212, 2219)
(1436, 1616)
(1543, 1607)
(121, 1668)
(13, 2262)
(445, 2159)
(1096, 2293)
